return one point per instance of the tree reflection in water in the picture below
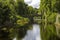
(33, 34)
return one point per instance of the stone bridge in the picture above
(37, 19)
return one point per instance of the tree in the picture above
(47, 10)
(14, 16)
(6, 23)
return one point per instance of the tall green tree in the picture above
(47, 10)
(15, 16)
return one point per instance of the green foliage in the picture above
(57, 6)
(14, 17)
(49, 9)
(51, 18)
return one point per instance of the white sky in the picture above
(33, 3)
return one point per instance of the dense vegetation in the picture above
(49, 10)
(15, 18)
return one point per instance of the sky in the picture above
(33, 3)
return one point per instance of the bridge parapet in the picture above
(37, 19)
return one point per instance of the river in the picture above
(33, 34)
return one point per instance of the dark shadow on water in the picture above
(54, 37)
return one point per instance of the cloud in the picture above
(27, 1)
(33, 3)
(36, 5)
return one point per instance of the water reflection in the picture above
(14, 39)
(33, 34)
